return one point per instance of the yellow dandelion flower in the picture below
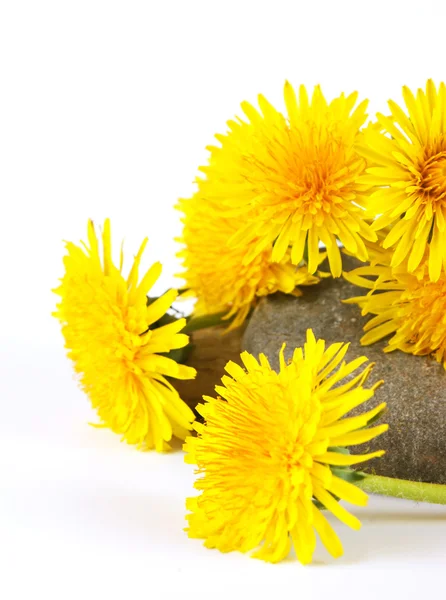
(270, 453)
(408, 306)
(117, 348)
(409, 156)
(218, 275)
(293, 181)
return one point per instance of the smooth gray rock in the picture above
(414, 388)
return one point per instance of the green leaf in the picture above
(179, 355)
(339, 449)
(305, 255)
(347, 474)
(169, 317)
(377, 417)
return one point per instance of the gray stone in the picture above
(414, 388)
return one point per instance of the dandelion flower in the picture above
(293, 181)
(271, 453)
(218, 276)
(117, 348)
(408, 306)
(409, 156)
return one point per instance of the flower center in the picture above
(323, 172)
(423, 307)
(432, 180)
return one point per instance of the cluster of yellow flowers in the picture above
(277, 185)
(407, 272)
(272, 452)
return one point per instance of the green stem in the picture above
(401, 488)
(205, 321)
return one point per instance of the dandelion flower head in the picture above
(218, 275)
(408, 152)
(118, 350)
(408, 306)
(270, 453)
(292, 181)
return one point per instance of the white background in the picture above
(105, 110)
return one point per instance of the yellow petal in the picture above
(345, 460)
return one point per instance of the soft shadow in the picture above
(119, 517)
(380, 517)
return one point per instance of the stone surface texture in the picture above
(212, 349)
(414, 388)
